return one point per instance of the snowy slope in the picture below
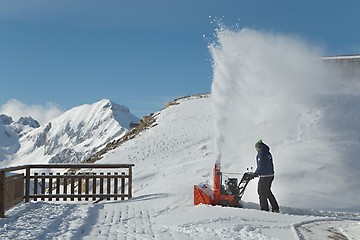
(169, 159)
(180, 150)
(170, 152)
(74, 135)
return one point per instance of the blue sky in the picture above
(143, 53)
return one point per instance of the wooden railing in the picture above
(45, 182)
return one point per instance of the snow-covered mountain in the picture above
(11, 131)
(71, 137)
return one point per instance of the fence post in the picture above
(57, 185)
(79, 180)
(35, 186)
(123, 185)
(108, 186)
(2, 194)
(130, 182)
(27, 184)
(43, 185)
(50, 188)
(116, 179)
(94, 186)
(65, 187)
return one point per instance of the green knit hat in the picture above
(258, 143)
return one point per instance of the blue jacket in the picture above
(264, 162)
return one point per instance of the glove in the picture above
(251, 175)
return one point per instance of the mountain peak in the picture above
(5, 119)
(74, 135)
(120, 112)
(29, 121)
(106, 103)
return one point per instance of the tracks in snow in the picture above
(326, 229)
(126, 223)
(142, 219)
(129, 222)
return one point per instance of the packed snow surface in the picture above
(313, 133)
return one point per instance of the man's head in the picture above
(258, 145)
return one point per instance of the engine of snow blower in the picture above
(229, 194)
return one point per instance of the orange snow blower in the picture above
(229, 194)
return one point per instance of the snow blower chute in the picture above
(229, 194)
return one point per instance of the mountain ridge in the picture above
(71, 137)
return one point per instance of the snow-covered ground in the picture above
(169, 159)
(150, 217)
(314, 141)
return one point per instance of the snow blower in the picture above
(229, 194)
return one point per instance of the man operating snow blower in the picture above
(230, 193)
(265, 170)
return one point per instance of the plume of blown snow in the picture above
(275, 87)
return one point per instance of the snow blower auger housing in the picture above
(229, 194)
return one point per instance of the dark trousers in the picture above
(265, 194)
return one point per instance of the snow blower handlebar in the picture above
(250, 175)
(246, 178)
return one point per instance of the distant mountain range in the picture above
(71, 137)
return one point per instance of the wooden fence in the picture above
(42, 182)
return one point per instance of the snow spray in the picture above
(272, 86)
(260, 81)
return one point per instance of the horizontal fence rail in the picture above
(43, 182)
